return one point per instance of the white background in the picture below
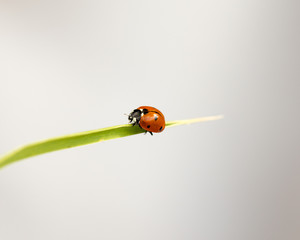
(71, 66)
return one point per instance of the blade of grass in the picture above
(83, 138)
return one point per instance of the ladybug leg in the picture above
(151, 133)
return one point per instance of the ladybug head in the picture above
(135, 116)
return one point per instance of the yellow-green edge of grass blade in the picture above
(83, 138)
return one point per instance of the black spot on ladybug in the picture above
(160, 128)
(148, 126)
(156, 117)
(145, 111)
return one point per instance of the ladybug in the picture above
(148, 118)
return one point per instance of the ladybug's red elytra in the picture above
(148, 118)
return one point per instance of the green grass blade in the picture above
(193, 120)
(83, 138)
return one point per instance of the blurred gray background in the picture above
(71, 66)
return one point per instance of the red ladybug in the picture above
(148, 118)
